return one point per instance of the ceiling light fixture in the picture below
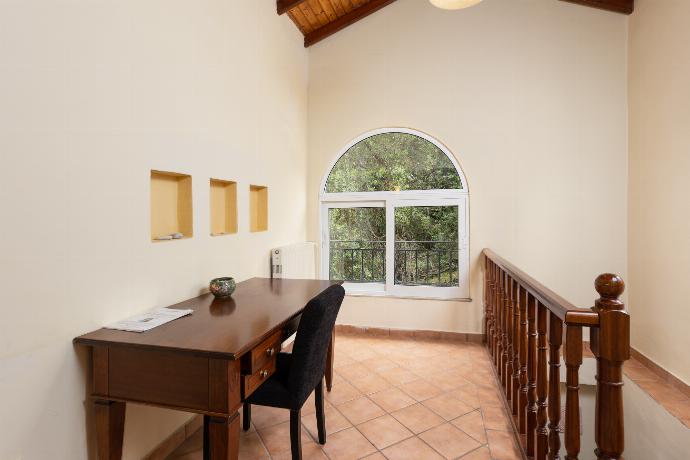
(454, 4)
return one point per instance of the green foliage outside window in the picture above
(393, 161)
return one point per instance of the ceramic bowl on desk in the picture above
(222, 288)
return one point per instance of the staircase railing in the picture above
(524, 322)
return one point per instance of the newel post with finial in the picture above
(611, 347)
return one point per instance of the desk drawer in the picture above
(251, 382)
(262, 354)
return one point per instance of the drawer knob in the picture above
(263, 374)
(270, 351)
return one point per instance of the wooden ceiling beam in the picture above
(618, 6)
(284, 6)
(344, 21)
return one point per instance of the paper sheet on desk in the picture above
(147, 321)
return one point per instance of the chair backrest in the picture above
(311, 344)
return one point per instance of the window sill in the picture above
(351, 293)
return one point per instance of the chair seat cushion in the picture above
(274, 391)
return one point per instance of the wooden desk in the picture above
(205, 363)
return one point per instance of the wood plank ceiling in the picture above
(318, 19)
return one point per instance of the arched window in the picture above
(394, 217)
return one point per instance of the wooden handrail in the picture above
(525, 323)
(555, 303)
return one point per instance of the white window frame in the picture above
(390, 200)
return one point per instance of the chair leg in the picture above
(296, 434)
(246, 416)
(320, 414)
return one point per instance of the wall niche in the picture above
(223, 207)
(171, 206)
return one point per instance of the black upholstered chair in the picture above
(302, 371)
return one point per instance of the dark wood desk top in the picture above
(222, 328)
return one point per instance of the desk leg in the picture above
(110, 428)
(329, 363)
(221, 437)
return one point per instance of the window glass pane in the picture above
(358, 244)
(393, 162)
(426, 246)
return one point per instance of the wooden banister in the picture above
(525, 325)
(555, 303)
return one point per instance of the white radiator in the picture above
(294, 261)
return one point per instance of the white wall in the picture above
(530, 95)
(659, 247)
(94, 94)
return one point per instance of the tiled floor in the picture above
(393, 399)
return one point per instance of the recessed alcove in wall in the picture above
(223, 207)
(171, 204)
(258, 208)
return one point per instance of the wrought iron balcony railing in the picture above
(416, 263)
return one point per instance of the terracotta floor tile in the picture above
(376, 456)
(663, 393)
(495, 418)
(342, 392)
(632, 362)
(449, 441)
(411, 449)
(418, 418)
(251, 447)
(399, 375)
(392, 399)
(384, 431)
(502, 446)
(472, 424)
(489, 397)
(363, 353)
(450, 381)
(680, 410)
(309, 452)
(468, 395)
(641, 374)
(342, 361)
(354, 371)
(335, 421)
(447, 406)
(480, 454)
(377, 364)
(348, 444)
(360, 410)
(372, 383)
(309, 406)
(421, 389)
(264, 416)
(276, 438)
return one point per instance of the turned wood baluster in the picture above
(490, 300)
(504, 341)
(508, 349)
(487, 269)
(542, 404)
(517, 339)
(499, 321)
(573, 361)
(531, 375)
(494, 313)
(611, 346)
(555, 342)
(522, 359)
